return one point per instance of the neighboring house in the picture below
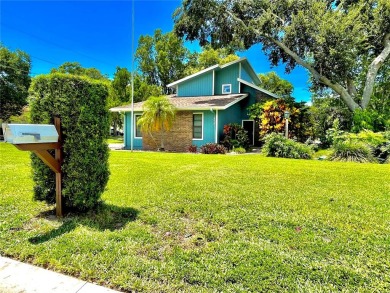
(205, 102)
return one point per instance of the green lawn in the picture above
(113, 140)
(211, 223)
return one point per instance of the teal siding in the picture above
(137, 142)
(254, 96)
(227, 75)
(208, 128)
(201, 85)
(245, 75)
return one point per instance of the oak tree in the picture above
(330, 38)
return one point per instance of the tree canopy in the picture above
(210, 56)
(14, 81)
(161, 58)
(273, 83)
(336, 41)
(75, 68)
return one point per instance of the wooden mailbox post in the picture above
(39, 139)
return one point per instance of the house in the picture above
(205, 102)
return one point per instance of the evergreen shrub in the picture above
(277, 145)
(81, 104)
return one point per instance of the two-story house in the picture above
(205, 102)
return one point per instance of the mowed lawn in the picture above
(210, 223)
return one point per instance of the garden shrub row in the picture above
(81, 104)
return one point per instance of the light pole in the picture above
(286, 116)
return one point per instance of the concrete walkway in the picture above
(18, 277)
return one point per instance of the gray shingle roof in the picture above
(219, 102)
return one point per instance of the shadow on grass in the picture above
(105, 217)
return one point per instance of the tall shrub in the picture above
(81, 104)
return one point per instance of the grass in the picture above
(207, 223)
(113, 139)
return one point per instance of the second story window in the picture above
(226, 89)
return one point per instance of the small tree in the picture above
(158, 116)
(14, 82)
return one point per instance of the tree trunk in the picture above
(373, 71)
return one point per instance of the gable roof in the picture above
(219, 102)
(257, 88)
(218, 67)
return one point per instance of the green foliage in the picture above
(276, 145)
(279, 86)
(333, 134)
(158, 116)
(210, 224)
(369, 120)
(325, 111)
(378, 143)
(81, 104)
(352, 151)
(239, 150)
(213, 148)
(14, 82)
(161, 58)
(209, 57)
(75, 68)
(235, 136)
(122, 85)
(329, 38)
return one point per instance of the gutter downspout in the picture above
(216, 126)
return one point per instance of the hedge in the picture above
(81, 104)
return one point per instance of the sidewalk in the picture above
(18, 277)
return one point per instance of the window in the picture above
(197, 126)
(226, 89)
(137, 132)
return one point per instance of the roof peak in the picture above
(216, 66)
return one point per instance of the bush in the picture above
(193, 149)
(239, 150)
(213, 148)
(235, 136)
(378, 143)
(81, 105)
(276, 145)
(352, 151)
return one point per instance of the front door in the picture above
(249, 125)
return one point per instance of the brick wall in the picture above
(178, 139)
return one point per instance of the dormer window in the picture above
(226, 89)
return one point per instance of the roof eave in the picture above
(258, 88)
(175, 83)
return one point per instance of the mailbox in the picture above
(29, 133)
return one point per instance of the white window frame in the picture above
(135, 125)
(197, 113)
(226, 84)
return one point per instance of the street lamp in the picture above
(286, 116)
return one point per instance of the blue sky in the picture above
(98, 34)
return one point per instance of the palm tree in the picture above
(158, 116)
